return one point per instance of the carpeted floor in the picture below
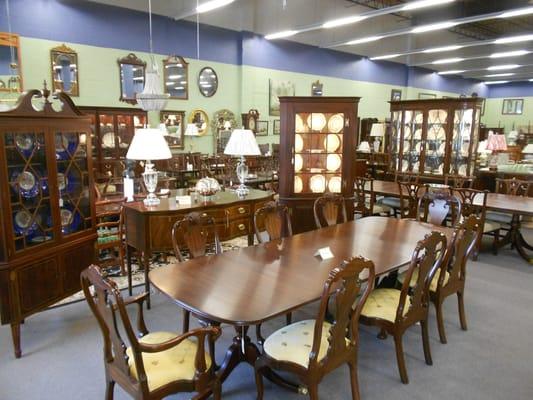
(493, 360)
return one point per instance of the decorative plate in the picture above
(335, 184)
(299, 124)
(70, 220)
(442, 148)
(316, 121)
(317, 183)
(25, 142)
(298, 184)
(406, 146)
(24, 224)
(407, 133)
(40, 239)
(332, 143)
(418, 134)
(408, 117)
(440, 169)
(108, 140)
(298, 143)
(298, 163)
(405, 165)
(336, 123)
(416, 166)
(462, 169)
(419, 118)
(418, 146)
(333, 162)
(437, 116)
(66, 145)
(441, 134)
(27, 183)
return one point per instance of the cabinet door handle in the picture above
(204, 215)
(241, 227)
(241, 210)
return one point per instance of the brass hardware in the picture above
(241, 210)
(241, 227)
(204, 215)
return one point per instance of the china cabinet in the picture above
(47, 206)
(112, 131)
(317, 152)
(436, 137)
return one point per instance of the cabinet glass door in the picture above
(27, 172)
(107, 136)
(412, 141)
(396, 129)
(73, 182)
(460, 151)
(435, 145)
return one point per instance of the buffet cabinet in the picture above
(435, 137)
(47, 206)
(317, 153)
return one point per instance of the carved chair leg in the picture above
(15, 333)
(186, 320)
(258, 335)
(109, 390)
(313, 391)
(425, 341)
(462, 314)
(259, 382)
(382, 334)
(353, 380)
(288, 318)
(495, 242)
(440, 321)
(400, 357)
(217, 390)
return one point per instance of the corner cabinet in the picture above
(435, 137)
(317, 153)
(47, 205)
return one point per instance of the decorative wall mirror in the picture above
(131, 71)
(10, 63)
(316, 89)
(173, 121)
(176, 75)
(201, 120)
(64, 62)
(222, 125)
(208, 82)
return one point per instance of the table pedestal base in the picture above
(516, 239)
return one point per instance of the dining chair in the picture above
(329, 210)
(395, 310)
(394, 202)
(450, 277)
(436, 206)
(409, 195)
(365, 199)
(110, 247)
(156, 364)
(272, 222)
(492, 228)
(311, 349)
(459, 181)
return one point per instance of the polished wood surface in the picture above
(250, 285)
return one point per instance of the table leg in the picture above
(521, 246)
(146, 265)
(129, 250)
(15, 333)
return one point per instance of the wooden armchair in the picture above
(159, 363)
(409, 195)
(329, 210)
(436, 207)
(393, 310)
(110, 236)
(311, 349)
(272, 222)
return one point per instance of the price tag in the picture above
(324, 253)
(183, 200)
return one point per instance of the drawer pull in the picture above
(241, 210)
(204, 215)
(241, 227)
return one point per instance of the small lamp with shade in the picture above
(377, 131)
(495, 143)
(242, 143)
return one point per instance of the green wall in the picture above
(493, 116)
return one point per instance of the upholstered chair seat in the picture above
(392, 202)
(382, 209)
(499, 217)
(490, 226)
(382, 304)
(174, 364)
(434, 282)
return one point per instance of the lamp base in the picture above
(151, 200)
(242, 190)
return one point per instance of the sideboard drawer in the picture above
(239, 227)
(239, 211)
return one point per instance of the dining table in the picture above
(517, 206)
(250, 285)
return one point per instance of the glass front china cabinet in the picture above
(435, 137)
(47, 207)
(318, 141)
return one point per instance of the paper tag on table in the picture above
(183, 200)
(324, 253)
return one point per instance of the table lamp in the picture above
(495, 143)
(192, 131)
(377, 131)
(528, 152)
(364, 147)
(149, 144)
(483, 152)
(242, 143)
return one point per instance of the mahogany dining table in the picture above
(247, 286)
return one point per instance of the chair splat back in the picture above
(409, 194)
(513, 186)
(463, 243)
(435, 206)
(329, 210)
(364, 190)
(196, 231)
(272, 222)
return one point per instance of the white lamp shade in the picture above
(192, 130)
(364, 147)
(378, 129)
(242, 143)
(148, 144)
(528, 149)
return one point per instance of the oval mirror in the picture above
(208, 81)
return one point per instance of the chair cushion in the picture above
(381, 209)
(382, 304)
(490, 226)
(176, 363)
(502, 218)
(293, 342)
(393, 202)
(434, 281)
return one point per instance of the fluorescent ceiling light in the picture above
(385, 57)
(343, 21)
(211, 5)
(495, 82)
(433, 27)
(531, 80)
(514, 39)
(442, 49)
(517, 13)
(501, 67)
(448, 60)
(452, 72)
(365, 40)
(499, 75)
(279, 35)
(515, 53)
(424, 3)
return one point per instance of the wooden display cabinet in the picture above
(47, 205)
(435, 137)
(317, 153)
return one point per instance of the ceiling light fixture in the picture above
(280, 35)
(517, 13)
(441, 49)
(515, 53)
(452, 72)
(494, 82)
(531, 80)
(448, 60)
(415, 5)
(385, 57)
(343, 21)
(514, 39)
(499, 75)
(365, 40)
(434, 27)
(212, 5)
(502, 67)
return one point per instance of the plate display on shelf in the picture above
(27, 183)
(70, 220)
(332, 143)
(418, 134)
(416, 166)
(41, 239)
(462, 169)
(299, 124)
(317, 183)
(437, 116)
(298, 163)
(298, 184)
(316, 121)
(419, 118)
(333, 162)
(406, 146)
(418, 146)
(298, 143)
(335, 184)
(440, 169)
(336, 123)
(66, 144)
(108, 140)
(23, 224)
(405, 165)
(407, 133)
(442, 148)
(25, 143)
(408, 117)
(464, 149)
(441, 134)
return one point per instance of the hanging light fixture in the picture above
(151, 98)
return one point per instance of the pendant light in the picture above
(151, 98)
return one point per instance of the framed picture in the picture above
(513, 106)
(316, 89)
(425, 96)
(395, 95)
(277, 127)
(173, 121)
(276, 89)
(262, 128)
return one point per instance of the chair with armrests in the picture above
(311, 349)
(158, 363)
(365, 198)
(437, 205)
(409, 194)
(393, 310)
(329, 210)
(110, 235)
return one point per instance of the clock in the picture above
(249, 120)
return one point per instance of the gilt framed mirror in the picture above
(208, 82)
(64, 63)
(10, 63)
(132, 74)
(176, 76)
(201, 120)
(174, 123)
(223, 124)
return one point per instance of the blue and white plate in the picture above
(66, 144)
(70, 220)
(26, 182)
(23, 224)
(25, 142)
